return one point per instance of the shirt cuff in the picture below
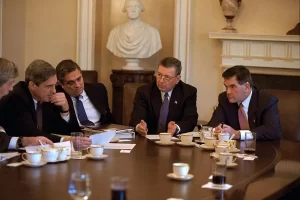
(66, 118)
(13, 143)
(243, 132)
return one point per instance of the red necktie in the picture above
(244, 125)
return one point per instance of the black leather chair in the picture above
(90, 76)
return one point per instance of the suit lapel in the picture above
(93, 98)
(252, 109)
(175, 100)
(156, 101)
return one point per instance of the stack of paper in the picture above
(5, 156)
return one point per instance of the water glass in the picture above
(250, 142)
(76, 144)
(118, 188)
(79, 187)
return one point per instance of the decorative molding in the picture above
(182, 35)
(260, 51)
(86, 34)
(0, 28)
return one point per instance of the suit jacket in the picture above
(97, 93)
(19, 115)
(182, 107)
(263, 116)
(4, 141)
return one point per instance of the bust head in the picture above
(133, 8)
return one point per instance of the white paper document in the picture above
(156, 137)
(103, 138)
(5, 156)
(119, 146)
(125, 135)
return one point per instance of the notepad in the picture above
(119, 146)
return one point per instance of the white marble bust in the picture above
(134, 39)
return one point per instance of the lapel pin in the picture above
(175, 102)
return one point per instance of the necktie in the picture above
(39, 115)
(82, 117)
(244, 125)
(164, 110)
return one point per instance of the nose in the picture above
(53, 90)
(228, 91)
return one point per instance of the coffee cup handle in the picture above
(23, 154)
(234, 159)
(88, 150)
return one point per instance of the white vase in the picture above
(230, 8)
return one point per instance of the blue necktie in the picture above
(39, 115)
(164, 110)
(82, 114)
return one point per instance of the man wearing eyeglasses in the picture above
(167, 105)
(243, 107)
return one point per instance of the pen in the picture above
(222, 124)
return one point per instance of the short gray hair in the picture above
(8, 70)
(39, 71)
(139, 1)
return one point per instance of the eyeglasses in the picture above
(165, 78)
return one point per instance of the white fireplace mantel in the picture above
(267, 52)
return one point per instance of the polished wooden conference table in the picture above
(146, 168)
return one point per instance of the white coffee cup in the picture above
(50, 155)
(32, 157)
(181, 169)
(165, 137)
(222, 149)
(210, 141)
(223, 136)
(96, 150)
(223, 157)
(186, 138)
(63, 153)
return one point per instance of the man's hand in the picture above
(231, 131)
(142, 128)
(172, 127)
(60, 99)
(32, 141)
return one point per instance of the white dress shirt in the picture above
(245, 103)
(92, 113)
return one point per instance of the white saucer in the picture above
(235, 150)
(90, 156)
(114, 140)
(164, 144)
(191, 144)
(214, 154)
(28, 164)
(229, 165)
(206, 148)
(180, 178)
(57, 161)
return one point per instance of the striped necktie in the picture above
(164, 111)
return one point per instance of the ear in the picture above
(32, 85)
(178, 78)
(247, 85)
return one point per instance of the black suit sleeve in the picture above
(190, 115)
(107, 118)
(218, 115)
(140, 108)
(4, 141)
(269, 122)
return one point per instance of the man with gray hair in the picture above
(8, 74)
(34, 108)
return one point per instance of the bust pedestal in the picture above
(125, 83)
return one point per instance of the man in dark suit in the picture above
(88, 101)
(243, 107)
(167, 105)
(8, 74)
(34, 108)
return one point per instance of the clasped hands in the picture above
(142, 129)
(228, 129)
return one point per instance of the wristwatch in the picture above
(20, 142)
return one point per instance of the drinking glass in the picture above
(118, 188)
(250, 142)
(218, 171)
(79, 187)
(76, 144)
(206, 131)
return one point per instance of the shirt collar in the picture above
(246, 102)
(163, 94)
